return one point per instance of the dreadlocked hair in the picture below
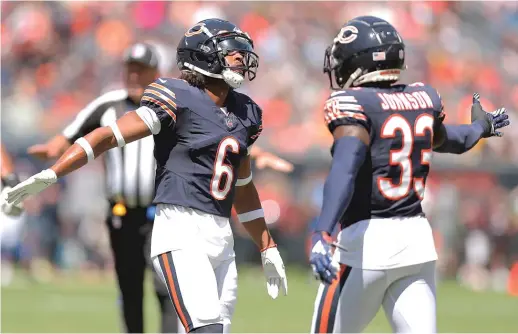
(196, 79)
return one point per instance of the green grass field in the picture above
(75, 305)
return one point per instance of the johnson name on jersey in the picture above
(201, 144)
(400, 120)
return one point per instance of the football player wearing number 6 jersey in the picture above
(384, 134)
(203, 130)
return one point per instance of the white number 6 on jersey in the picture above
(218, 191)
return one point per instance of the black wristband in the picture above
(10, 180)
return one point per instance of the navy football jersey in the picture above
(400, 121)
(200, 145)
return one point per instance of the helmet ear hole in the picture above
(210, 59)
(199, 57)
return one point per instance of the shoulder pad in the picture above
(436, 98)
(348, 91)
(173, 83)
(345, 108)
(255, 114)
(346, 100)
(256, 110)
(434, 95)
(161, 96)
(243, 98)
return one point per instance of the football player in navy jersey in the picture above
(384, 134)
(203, 130)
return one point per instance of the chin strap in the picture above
(233, 79)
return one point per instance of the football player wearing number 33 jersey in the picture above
(203, 130)
(384, 134)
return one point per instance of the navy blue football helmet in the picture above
(204, 46)
(366, 50)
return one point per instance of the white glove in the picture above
(31, 186)
(9, 209)
(274, 271)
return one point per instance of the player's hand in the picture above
(320, 257)
(9, 209)
(31, 186)
(490, 121)
(51, 149)
(39, 151)
(43, 152)
(266, 159)
(274, 271)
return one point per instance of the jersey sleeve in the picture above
(158, 106)
(257, 126)
(89, 118)
(438, 112)
(345, 109)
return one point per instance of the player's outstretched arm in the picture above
(9, 180)
(128, 128)
(458, 139)
(265, 159)
(251, 215)
(350, 147)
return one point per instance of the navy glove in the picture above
(320, 257)
(489, 121)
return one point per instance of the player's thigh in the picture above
(160, 288)
(350, 302)
(192, 286)
(226, 277)
(410, 302)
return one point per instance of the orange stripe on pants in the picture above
(172, 290)
(328, 301)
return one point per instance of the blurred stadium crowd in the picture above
(58, 56)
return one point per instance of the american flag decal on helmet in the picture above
(379, 56)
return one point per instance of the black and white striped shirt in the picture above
(130, 170)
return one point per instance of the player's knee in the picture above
(212, 328)
(227, 310)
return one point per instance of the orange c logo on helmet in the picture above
(192, 32)
(346, 40)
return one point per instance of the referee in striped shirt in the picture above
(130, 177)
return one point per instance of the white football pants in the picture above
(193, 253)
(349, 304)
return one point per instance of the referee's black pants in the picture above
(130, 238)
